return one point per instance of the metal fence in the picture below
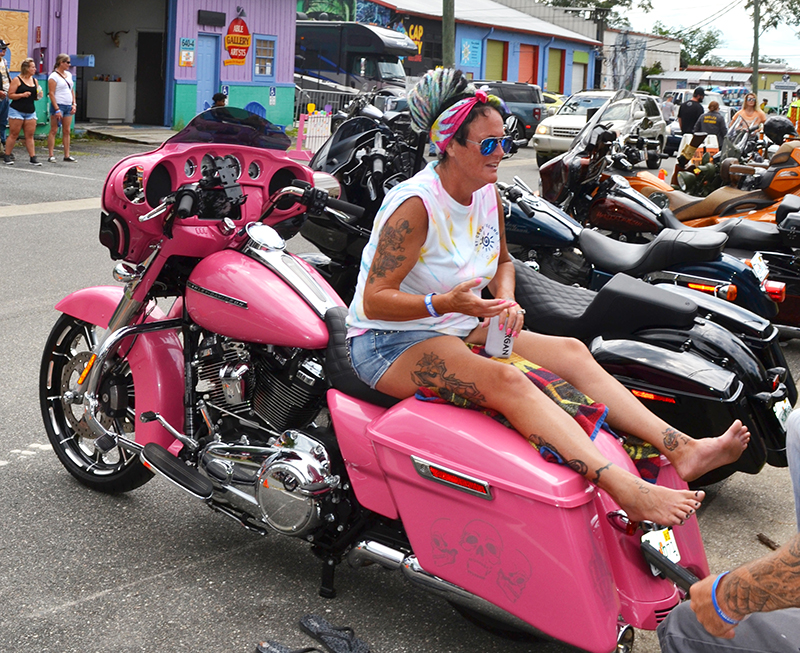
(329, 101)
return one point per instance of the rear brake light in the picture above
(727, 291)
(652, 396)
(776, 290)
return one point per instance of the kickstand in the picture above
(326, 588)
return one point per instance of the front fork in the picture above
(121, 326)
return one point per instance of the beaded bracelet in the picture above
(720, 613)
(429, 304)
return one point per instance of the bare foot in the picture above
(693, 458)
(645, 501)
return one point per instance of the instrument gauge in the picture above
(207, 166)
(254, 170)
(235, 163)
(190, 167)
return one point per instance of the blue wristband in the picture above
(720, 613)
(429, 304)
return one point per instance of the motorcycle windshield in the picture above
(587, 137)
(735, 141)
(330, 156)
(233, 126)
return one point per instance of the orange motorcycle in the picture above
(752, 192)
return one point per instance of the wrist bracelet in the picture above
(720, 613)
(429, 304)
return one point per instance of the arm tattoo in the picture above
(597, 473)
(388, 255)
(770, 583)
(431, 372)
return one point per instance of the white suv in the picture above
(555, 134)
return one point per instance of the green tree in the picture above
(733, 63)
(615, 8)
(696, 46)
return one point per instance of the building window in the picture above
(264, 59)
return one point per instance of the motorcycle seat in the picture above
(340, 372)
(669, 247)
(723, 201)
(742, 234)
(621, 308)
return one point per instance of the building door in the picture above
(528, 64)
(208, 55)
(150, 79)
(496, 60)
(555, 70)
(578, 77)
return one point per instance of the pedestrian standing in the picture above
(5, 83)
(23, 91)
(61, 91)
(668, 108)
(691, 110)
(712, 122)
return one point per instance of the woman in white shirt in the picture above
(61, 91)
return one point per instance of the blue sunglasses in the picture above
(488, 145)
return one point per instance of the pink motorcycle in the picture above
(241, 394)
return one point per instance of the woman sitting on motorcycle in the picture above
(437, 241)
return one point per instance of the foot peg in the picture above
(157, 459)
(105, 443)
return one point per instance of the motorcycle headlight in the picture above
(543, 129)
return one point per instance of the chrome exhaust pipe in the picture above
(367, 552)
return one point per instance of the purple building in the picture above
(160, 61)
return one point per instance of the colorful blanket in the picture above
(590, 416)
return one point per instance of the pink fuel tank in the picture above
(236, 296)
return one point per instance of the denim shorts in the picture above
(373, 352)
(66, 109)
(13, 114)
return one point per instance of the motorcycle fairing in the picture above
(156, 361)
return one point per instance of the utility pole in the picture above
(756, 30)
(448, 33)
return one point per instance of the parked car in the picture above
(639, 115)
(681, 95)
(553, 101)
(555, 134)
(525, 101)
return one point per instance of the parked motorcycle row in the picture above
(221, 365)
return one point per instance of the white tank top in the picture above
(463, 243)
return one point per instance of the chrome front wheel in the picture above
(66, 355)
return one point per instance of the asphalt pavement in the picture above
(154, 570)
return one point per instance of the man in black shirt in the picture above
(691, 110)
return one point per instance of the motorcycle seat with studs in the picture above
(621, 308)
(340, 371)
(668, 248)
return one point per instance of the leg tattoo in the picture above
(552, 455)
(597, 473)
(431, 372)
(673, 438)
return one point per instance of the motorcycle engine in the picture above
(287, 485)
(284, 387)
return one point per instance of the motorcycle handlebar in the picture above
(345, 207)
(185, 205)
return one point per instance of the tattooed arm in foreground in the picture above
(398, 250)
(767, 584)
